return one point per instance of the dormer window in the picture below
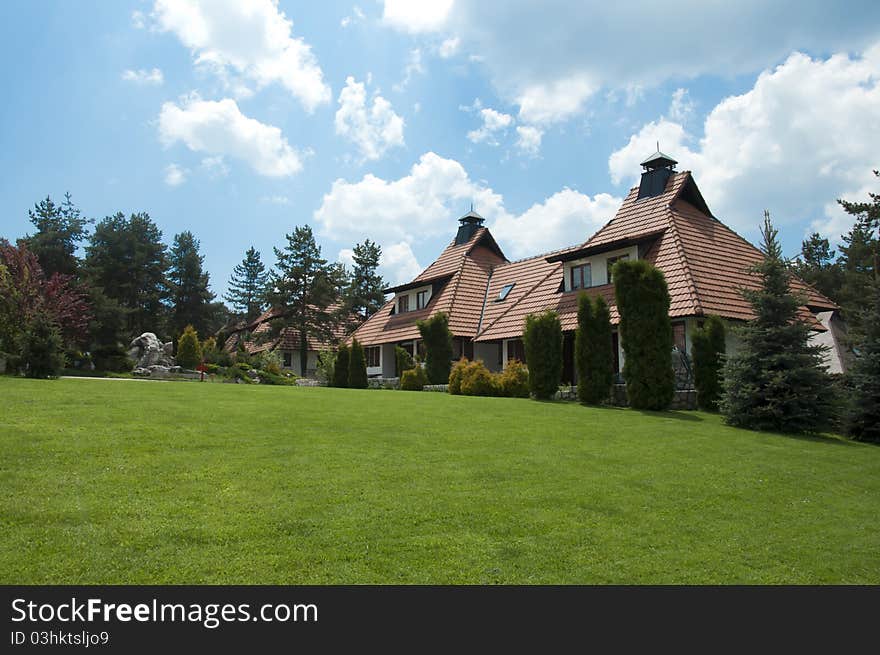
(502, 295)
(421, 299)
(581, 277)
(403, 304)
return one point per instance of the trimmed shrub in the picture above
(340, 368)
(438, 347)
(403, 360)
(707, 352)
(513, 381)
(189, 350)
(543, 345)
(455, 376)
(414, 379)
(593, 350)
(42, 350)
(357, 366)
(646, 334)
(477, 380)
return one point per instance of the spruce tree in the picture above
(593, 356)
(247, 286)
(817, 266)
(340, 367)
(364, 295)
(357, 366)
(437, 340)
(864, 418)
(646, 334)
(60, 229)
(304, 286)
(707, 354)
(776, 380)
(860, 261)
(542, 339)
(188, 283)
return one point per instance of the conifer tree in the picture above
(60, 229)
(593, 356)
(437, 340)
(189, 350)
(860, 261)
(776, 380)
(357, 366)
(542, 339)
(340, 367)
(864, 418)
(248, 285)
(188, 283)
(707, 353)
(364, 294)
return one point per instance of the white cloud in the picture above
(529, 139)
(219, 128)
(413, 67)
(373, 128)
(356, 17)
(804, 135)
(567, 217)
(416, 16)
(493, 122)
(252, 39)
(681, 107)
(215, 166)
(138, 20)
(449, 47)
(398, 263)
(143, 76)
(175, 175)
(554, 101)
(427, 201)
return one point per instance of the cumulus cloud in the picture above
(215, 166)
(143, 76)
(219, 128)
(175, 175)
(413, 67)
(681, 107)
(416, 16)
(373, 127)
(529, 139)
(426, 202)
(251, 39)
(493, 123)
(397, 264)
(804, 135)
(558, 100)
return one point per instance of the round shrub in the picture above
(477, 380)
(455, 376)
(513, 382)
(413, 379)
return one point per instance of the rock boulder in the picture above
(146, 351)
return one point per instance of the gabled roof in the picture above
(460, 274)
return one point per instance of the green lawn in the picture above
(109, 481)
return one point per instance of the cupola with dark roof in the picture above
(658, 168)
(468, 225)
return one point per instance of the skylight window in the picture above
(504, 291)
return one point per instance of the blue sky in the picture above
(239, 121)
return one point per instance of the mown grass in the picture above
(109, 481)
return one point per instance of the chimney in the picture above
(468, 225)
(658, 169)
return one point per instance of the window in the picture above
(516, 350)
(421, 299)
(504, 291)
(581, 277)
(288, 360)
(611, 261)
(372, 355)
(678, 336)
(403, 304)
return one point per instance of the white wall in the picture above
(598, 265)
(412, 294)
(311, 362)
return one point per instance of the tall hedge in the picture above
(592, 346)
(646, 334)
(707, 352)
(357, 366)
(340, 368)
(438, 347)
(543, 345)
(189, 350)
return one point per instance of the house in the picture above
(664, 220)
(257, 337)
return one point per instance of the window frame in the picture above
(505, 291)
(378, 351)
(422, 299)
(403, 304)
(581, 268)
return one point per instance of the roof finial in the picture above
(472, 205)
(658, 146)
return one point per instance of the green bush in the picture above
(210, 352)
(270, 361)
(593, 350)
(212, 368)
(42, 350)
(274, 379)
(239, 372)
(340, 368)
(357, 366)
(403, 360)
(326, 363)
(455, 376)
(477, 380)
(646, 334)
(543, 345)
(707, 352)
(437, 340)
(513, 381)
(189, 350)
(413, 379)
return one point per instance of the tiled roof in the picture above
(288, 339)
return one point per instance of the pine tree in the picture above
(593, 355)
(60, 229)
(340, 367)
(817, 266)
(646, 334)
(364, 295)
(707, 353)
(860, 260)
(437, 340)
(542, 339)
(776, 380)
(304, 286)
(357, 367)
(188, 283)
(248, 285)
(189, 350)
(864, 419)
